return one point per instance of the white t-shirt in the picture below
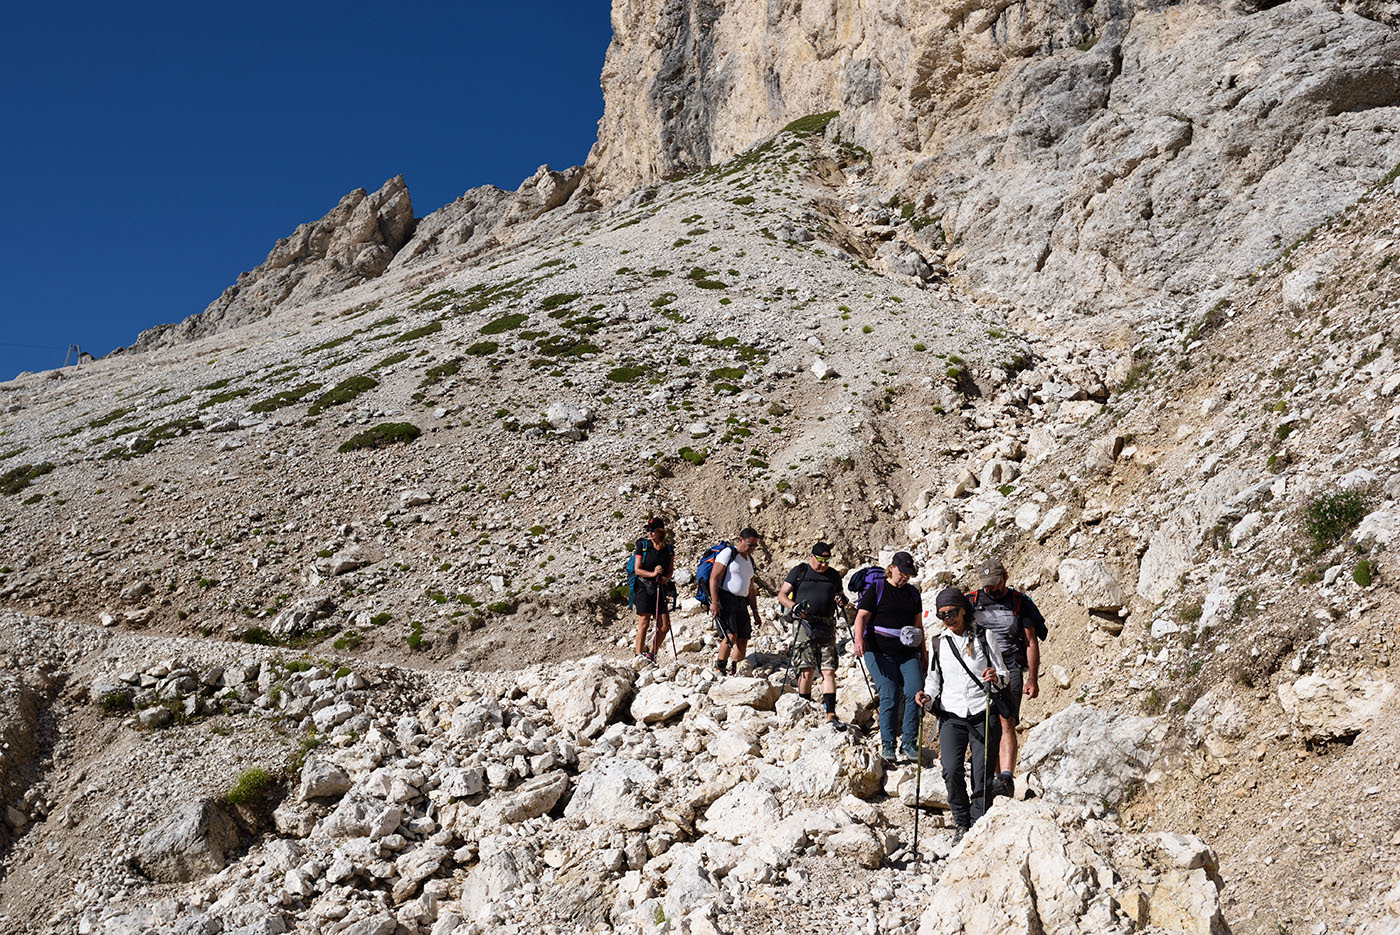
(738, 572)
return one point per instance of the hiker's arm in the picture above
(716, 576)
(753, 600)
(858, 632)
(785, 596)
(1032, 687)
(642, 572)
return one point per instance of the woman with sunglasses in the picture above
(962, 689)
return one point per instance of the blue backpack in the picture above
(702, 572)
(629, 568)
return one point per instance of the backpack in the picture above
(629, 568)
(702, 572)
(1042, 632)
(862, 579)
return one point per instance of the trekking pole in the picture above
(670, 629)
(986, 744)
(918, 786)
(860, 663)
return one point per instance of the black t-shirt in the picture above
(1007, 618)
(818, 588)
(652, 557)
(897, 608)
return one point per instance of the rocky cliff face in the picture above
(1069, 158)
(353, 243)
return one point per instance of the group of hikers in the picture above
(972, 678)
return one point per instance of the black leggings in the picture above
(955, 735)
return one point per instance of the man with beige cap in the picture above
(1015, 623)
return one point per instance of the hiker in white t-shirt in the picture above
(735, 598)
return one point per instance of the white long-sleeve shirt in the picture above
(958, 694)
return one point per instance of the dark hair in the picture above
(748, 532)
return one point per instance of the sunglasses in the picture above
(823, 559)
(949, 614)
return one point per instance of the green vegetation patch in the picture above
(442, 371)
(558, 300)
(432, 327)
(16, 479)
(725, 374)
(285, 398)
(743, 201)
(228, 397)
(1329, 517)
(483, 348)
(382, 436)
(110, 417)
(625, 374)
(147, 441)
(342, 393)
(435, 301)
(397, 357)
(811, 124)
(504, 323)
(565, 345)
(250, 788)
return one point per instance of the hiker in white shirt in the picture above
(966, 674)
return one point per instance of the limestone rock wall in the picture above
(1077, 155)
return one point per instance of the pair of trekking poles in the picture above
(670, 630)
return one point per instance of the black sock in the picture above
(829, 701)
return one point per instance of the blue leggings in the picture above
(897, 681)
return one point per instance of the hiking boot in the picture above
(908, 756)
(1002, 785)
(719, 670)
(959, 833)
(834, 722)
(650, 658)
(887, 754)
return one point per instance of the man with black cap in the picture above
(889, 634)
(1013, 619)
(812, 593)
(963, 689)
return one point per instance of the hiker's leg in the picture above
(643, 621)
(663, 626)
(1007, 754)
(884, 671)
(804, 681)
(911, 679)
(983, 764)
(741, 650)
(952, 745)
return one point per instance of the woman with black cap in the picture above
(654, 564)
(963, 689)
(889, 634)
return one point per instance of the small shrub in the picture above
(250, 789)
(432, 327)
(15, 480)
(343, 392)
(1329, 517)
(285, 398)
(351, 640)
(694, 457)
(557, 300)
(483, 349)
(743, 201)
(258, 636)
(379, 619)
(1362, 573)
(1154, 702)
(397, 357)
(115, 702)
(382, 436)
(504, 323)
(725, 374)
(625, 374)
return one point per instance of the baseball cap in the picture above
(992, 571)
(904, 562)
(822, 550)
(655, 523)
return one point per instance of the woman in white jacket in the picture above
(966, 674)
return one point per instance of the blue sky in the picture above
(155, 150)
